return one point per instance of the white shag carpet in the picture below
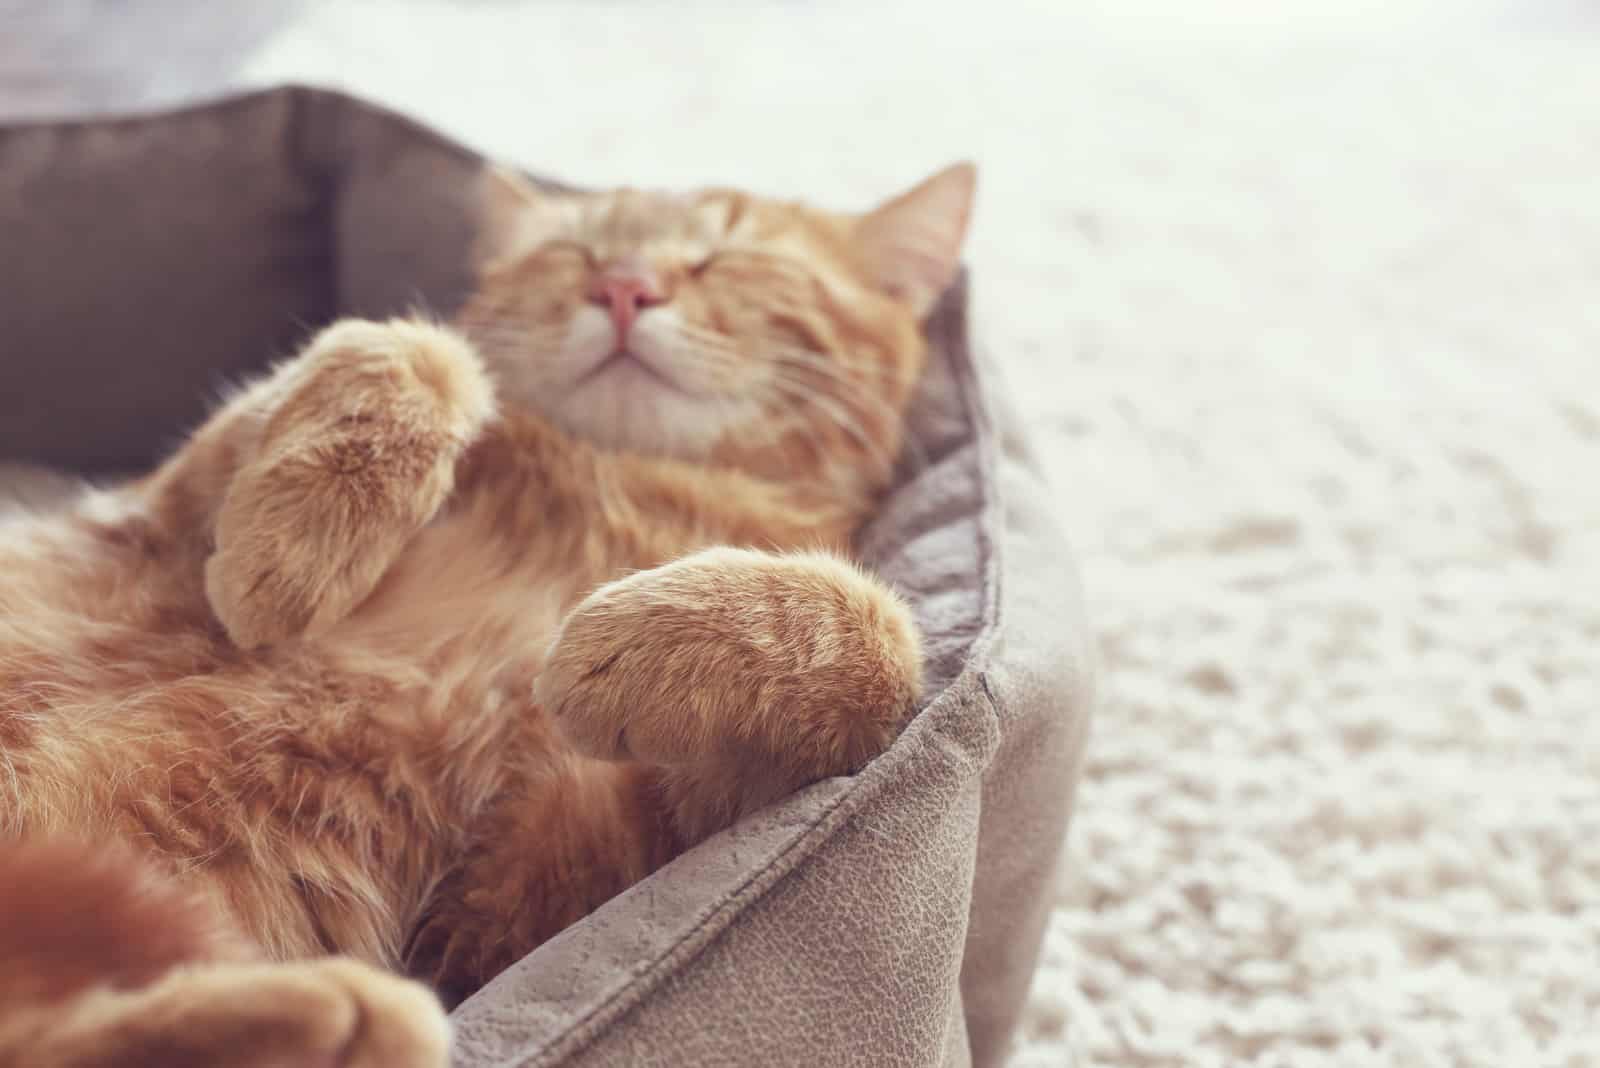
(1304, 304)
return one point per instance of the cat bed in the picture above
(889, 918)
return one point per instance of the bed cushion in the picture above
(892, 917)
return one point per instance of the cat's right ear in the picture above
(913, 242)
(512, 213)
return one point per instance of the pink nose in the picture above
(626, 287)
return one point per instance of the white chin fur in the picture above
(626, 406)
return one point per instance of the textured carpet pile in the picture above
(1304, 305)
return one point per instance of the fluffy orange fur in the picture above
(436, 638)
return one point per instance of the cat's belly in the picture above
(448, 592)
(317, 787)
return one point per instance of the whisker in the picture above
(840, 417)
(810, 374)
(836, 386)
(768, 346)
(867, 408)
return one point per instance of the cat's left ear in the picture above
(913, 242)
(512, 212)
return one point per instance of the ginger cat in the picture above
(436, 638)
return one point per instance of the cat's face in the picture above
(716, 325)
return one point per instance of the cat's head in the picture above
(717, 326)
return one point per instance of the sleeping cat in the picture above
(436, 638)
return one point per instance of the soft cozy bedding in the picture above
(888, 918)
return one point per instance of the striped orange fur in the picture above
(437, 637)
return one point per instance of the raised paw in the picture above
(358, 455)
(801, 663)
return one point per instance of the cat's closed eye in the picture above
(566, 248)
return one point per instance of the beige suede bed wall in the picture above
(890, 918)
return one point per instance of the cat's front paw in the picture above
(357, 457)
(801, 662)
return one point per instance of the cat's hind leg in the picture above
(333, 1013)
(548, 852)
(106, 962)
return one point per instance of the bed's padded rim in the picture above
(204, 243)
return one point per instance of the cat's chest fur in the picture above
(536, 523)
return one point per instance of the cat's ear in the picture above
(512, 212)
(913, 242)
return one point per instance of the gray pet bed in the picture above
(890, 918)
